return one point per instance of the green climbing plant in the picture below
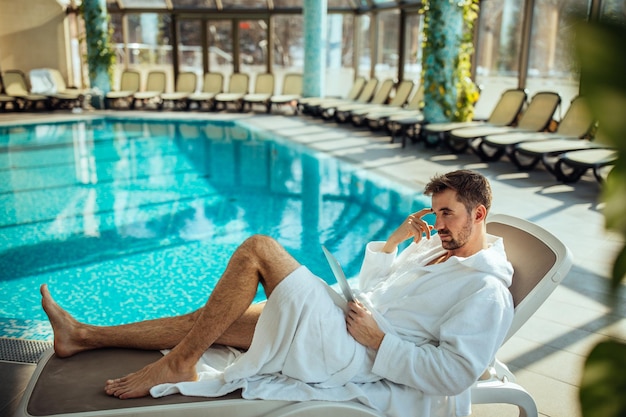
(100, 51)
(456, 97)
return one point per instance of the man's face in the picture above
(454, 224)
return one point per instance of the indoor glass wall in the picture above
(253, 46)
(148, 44)
(288, 47)
(552, 63)
(512, 50)
(220, 46)
(413, 48)
(498, 52)
(190, 46)
(387, 45)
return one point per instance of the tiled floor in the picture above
(548, 353)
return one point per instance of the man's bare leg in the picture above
(258, 259)
(71, 336)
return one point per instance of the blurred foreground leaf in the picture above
(603, 385)
(600, 48)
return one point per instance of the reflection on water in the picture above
(129, 220)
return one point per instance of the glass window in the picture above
(149, 39)
(288, 4)
(117, 38)
(253, 46)
(614, 9)
(190, 46)
(497, 50)
(138, 4)
(413, 45)
(288, 47)
(339, 4)
(364, 52)
(288, 43)
(339, 60)
(239, 4)
(388, 41)
(193, 4)
(112, 5)
(149, 43)
(552, 64)
(347, 40)
(220, 46)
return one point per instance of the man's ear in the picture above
(481, 213)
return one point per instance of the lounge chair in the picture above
(16, 86)
(263, 90)
(540, 262)
(402, 121)
(576, 124)
(344, 111)
(386, 117)
(290, 94)
(237, 88)
(64, 97)
(155, 86)
(130, 83)
(535, 118)
(326, 109)
(526, 155)
(211, 86)
(186, 83)
(7, 102)
(73, 386)
(505, 113)
(358, 116)
(570, 166)
(310, 105)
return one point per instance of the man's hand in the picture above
(413, 227)
(362, 326)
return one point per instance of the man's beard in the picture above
(455, 242)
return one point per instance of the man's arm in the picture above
(363, 327)
(469, 337)
(359, 320)
(413, 227)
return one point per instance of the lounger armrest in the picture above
(497, 392)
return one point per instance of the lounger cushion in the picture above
(76, 384)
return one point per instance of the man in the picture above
(427, 324)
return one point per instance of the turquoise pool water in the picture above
(132, 219)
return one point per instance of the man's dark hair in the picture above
(472, 188)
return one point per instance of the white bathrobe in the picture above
(443, 324)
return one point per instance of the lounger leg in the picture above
(457, 146)
(522, 165)
(393, 128)
(573, 176)
(487, 154)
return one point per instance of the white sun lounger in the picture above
(74, 387)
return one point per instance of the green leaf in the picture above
(614, 195)
(604, 381)
(619, 269)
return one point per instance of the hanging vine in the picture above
(455, 98)
(100, 52)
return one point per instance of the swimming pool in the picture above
(130, 219)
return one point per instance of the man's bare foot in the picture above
(138, 384)
(65, 327)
